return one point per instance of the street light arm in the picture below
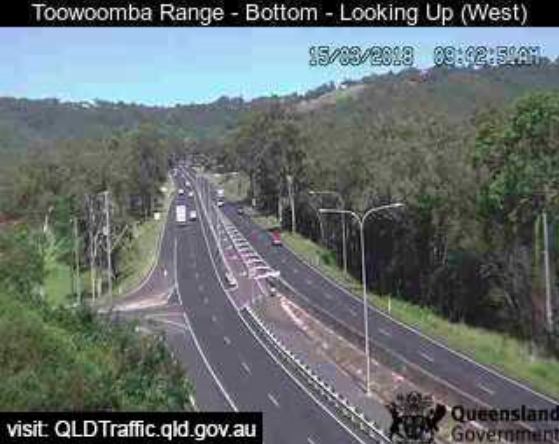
(337, 211)
(381, 208)
(332, 192)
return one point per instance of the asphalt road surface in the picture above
(481, 384)
(250, 379)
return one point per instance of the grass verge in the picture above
(139, 256)
(510, 356)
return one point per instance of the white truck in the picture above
(181, 214)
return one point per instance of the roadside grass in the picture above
(508, 355)
(58, 284)
(139, 255)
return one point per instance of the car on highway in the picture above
(191, 194)
(276, 238)
(220, 203)
(181, 191)
(240, 210)
(192, 215)
(181, 214)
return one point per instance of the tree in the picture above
(22, 268)
(519, 153)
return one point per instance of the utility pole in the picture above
(280, 210)
(548, 304)
(108, 239)
(289, 178)
(77, 262)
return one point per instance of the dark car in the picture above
(240, 210)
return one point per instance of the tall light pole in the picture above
(291, 200)
(361, 221)
(109, 248)
(77, 261)
(344, 236)
(548, 303)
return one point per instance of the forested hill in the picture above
(457, 92)
(473, 155)
(23, 121)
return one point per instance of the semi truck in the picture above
(181, 214)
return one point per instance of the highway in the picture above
(248, 376)
(479, 384)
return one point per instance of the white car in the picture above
(192, 215)
(191, 194)
(181, 191)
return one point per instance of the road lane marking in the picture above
(427, 357)
(201, 288)
(486, 389)
(384, 332)
(246, 367)
(199, 348)
(196, 275)
(227, 340)
(214, 319)
(272, 355)
(273, 400)
(310, 440)
(430, 339)
(309, 281)
(353, 312)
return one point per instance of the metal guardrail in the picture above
(357, 417)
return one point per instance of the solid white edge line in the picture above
(424, 336)
(156, 259)
(197, 344)
(293, 378)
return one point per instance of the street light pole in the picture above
(77, 261)
(109, 248)
(548, 304)
(361, 220)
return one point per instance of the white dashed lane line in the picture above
(486, 389)
(273, 400)
(246, 367)
(384, 332)
(427, 357)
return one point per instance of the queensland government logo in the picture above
(415, 418)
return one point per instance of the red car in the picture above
(276, 238)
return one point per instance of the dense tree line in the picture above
(474, 157)
(68, 180)
(59, 358)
